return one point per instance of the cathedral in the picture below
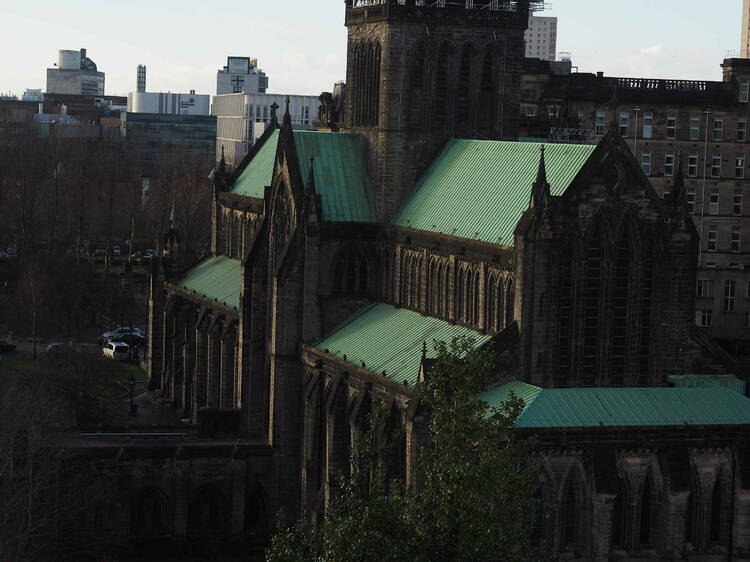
(339, 256)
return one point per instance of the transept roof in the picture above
(479, 189)
(391, 339)
(621, 407)
(339, 162)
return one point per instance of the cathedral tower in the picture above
(422, 71)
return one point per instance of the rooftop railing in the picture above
(492, 5)
(653, 84)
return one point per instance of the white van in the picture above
(116, 350)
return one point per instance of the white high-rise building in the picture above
(241, 75)
(745, 46)
(75, 74)
(242, 118)
(541, 37)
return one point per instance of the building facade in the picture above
(169, 103)
(337, 256)
(76, 74)
(241, 75)
(242, 118)
(541, 38)
(697, 127)
(153, 139)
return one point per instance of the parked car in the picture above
(116, 350)
(6, 347)
(57, 347)
(119, 334)
(133, 340)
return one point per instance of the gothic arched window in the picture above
(619, 306)
(592, 289)
(646, 295)
(491, 304)
(442, 92)
(571, 514)
(463, 88)
(488, 91)
(149, 512)
(419, 86)
(565, 319)
(207, 516)
(510, 302)
(646, 521)
(366, 90)
(460, 294)
(717, 505)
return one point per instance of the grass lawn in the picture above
(19, 363)
(136, 372)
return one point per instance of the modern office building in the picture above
(242, 118)
(541, 38)
(169, 103)
(152, 138)
(745, 46)
(75, 74)
(241, 75)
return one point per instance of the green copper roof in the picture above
(390, 339)
(217, 278)
(703, 381)
(341, 177)
(259, 172)
(616, 407)
(479, 189)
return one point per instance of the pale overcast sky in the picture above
(301, 44)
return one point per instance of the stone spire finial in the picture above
(540, 192)
(274, 118)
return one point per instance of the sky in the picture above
(301, 44)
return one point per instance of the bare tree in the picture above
(32, 296)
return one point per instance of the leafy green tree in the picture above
(475, 499)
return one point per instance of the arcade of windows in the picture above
(455, 290)
(636, 514)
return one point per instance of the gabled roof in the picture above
(218, 278)
(258, 173)
(390, 339)
(341, 178)
(620, 407)
(479, 189)
(340, 173)
(703, 381)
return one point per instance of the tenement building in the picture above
(338, 257)
(700, 126)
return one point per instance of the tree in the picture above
(55, 507)
(476, 496)
(32, 295)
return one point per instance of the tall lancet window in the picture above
(647, 311)
(565, 319)
(592, 295)
(619, 307)
(419, 87)
(488, 91)
(442, 86)
(463, 88)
